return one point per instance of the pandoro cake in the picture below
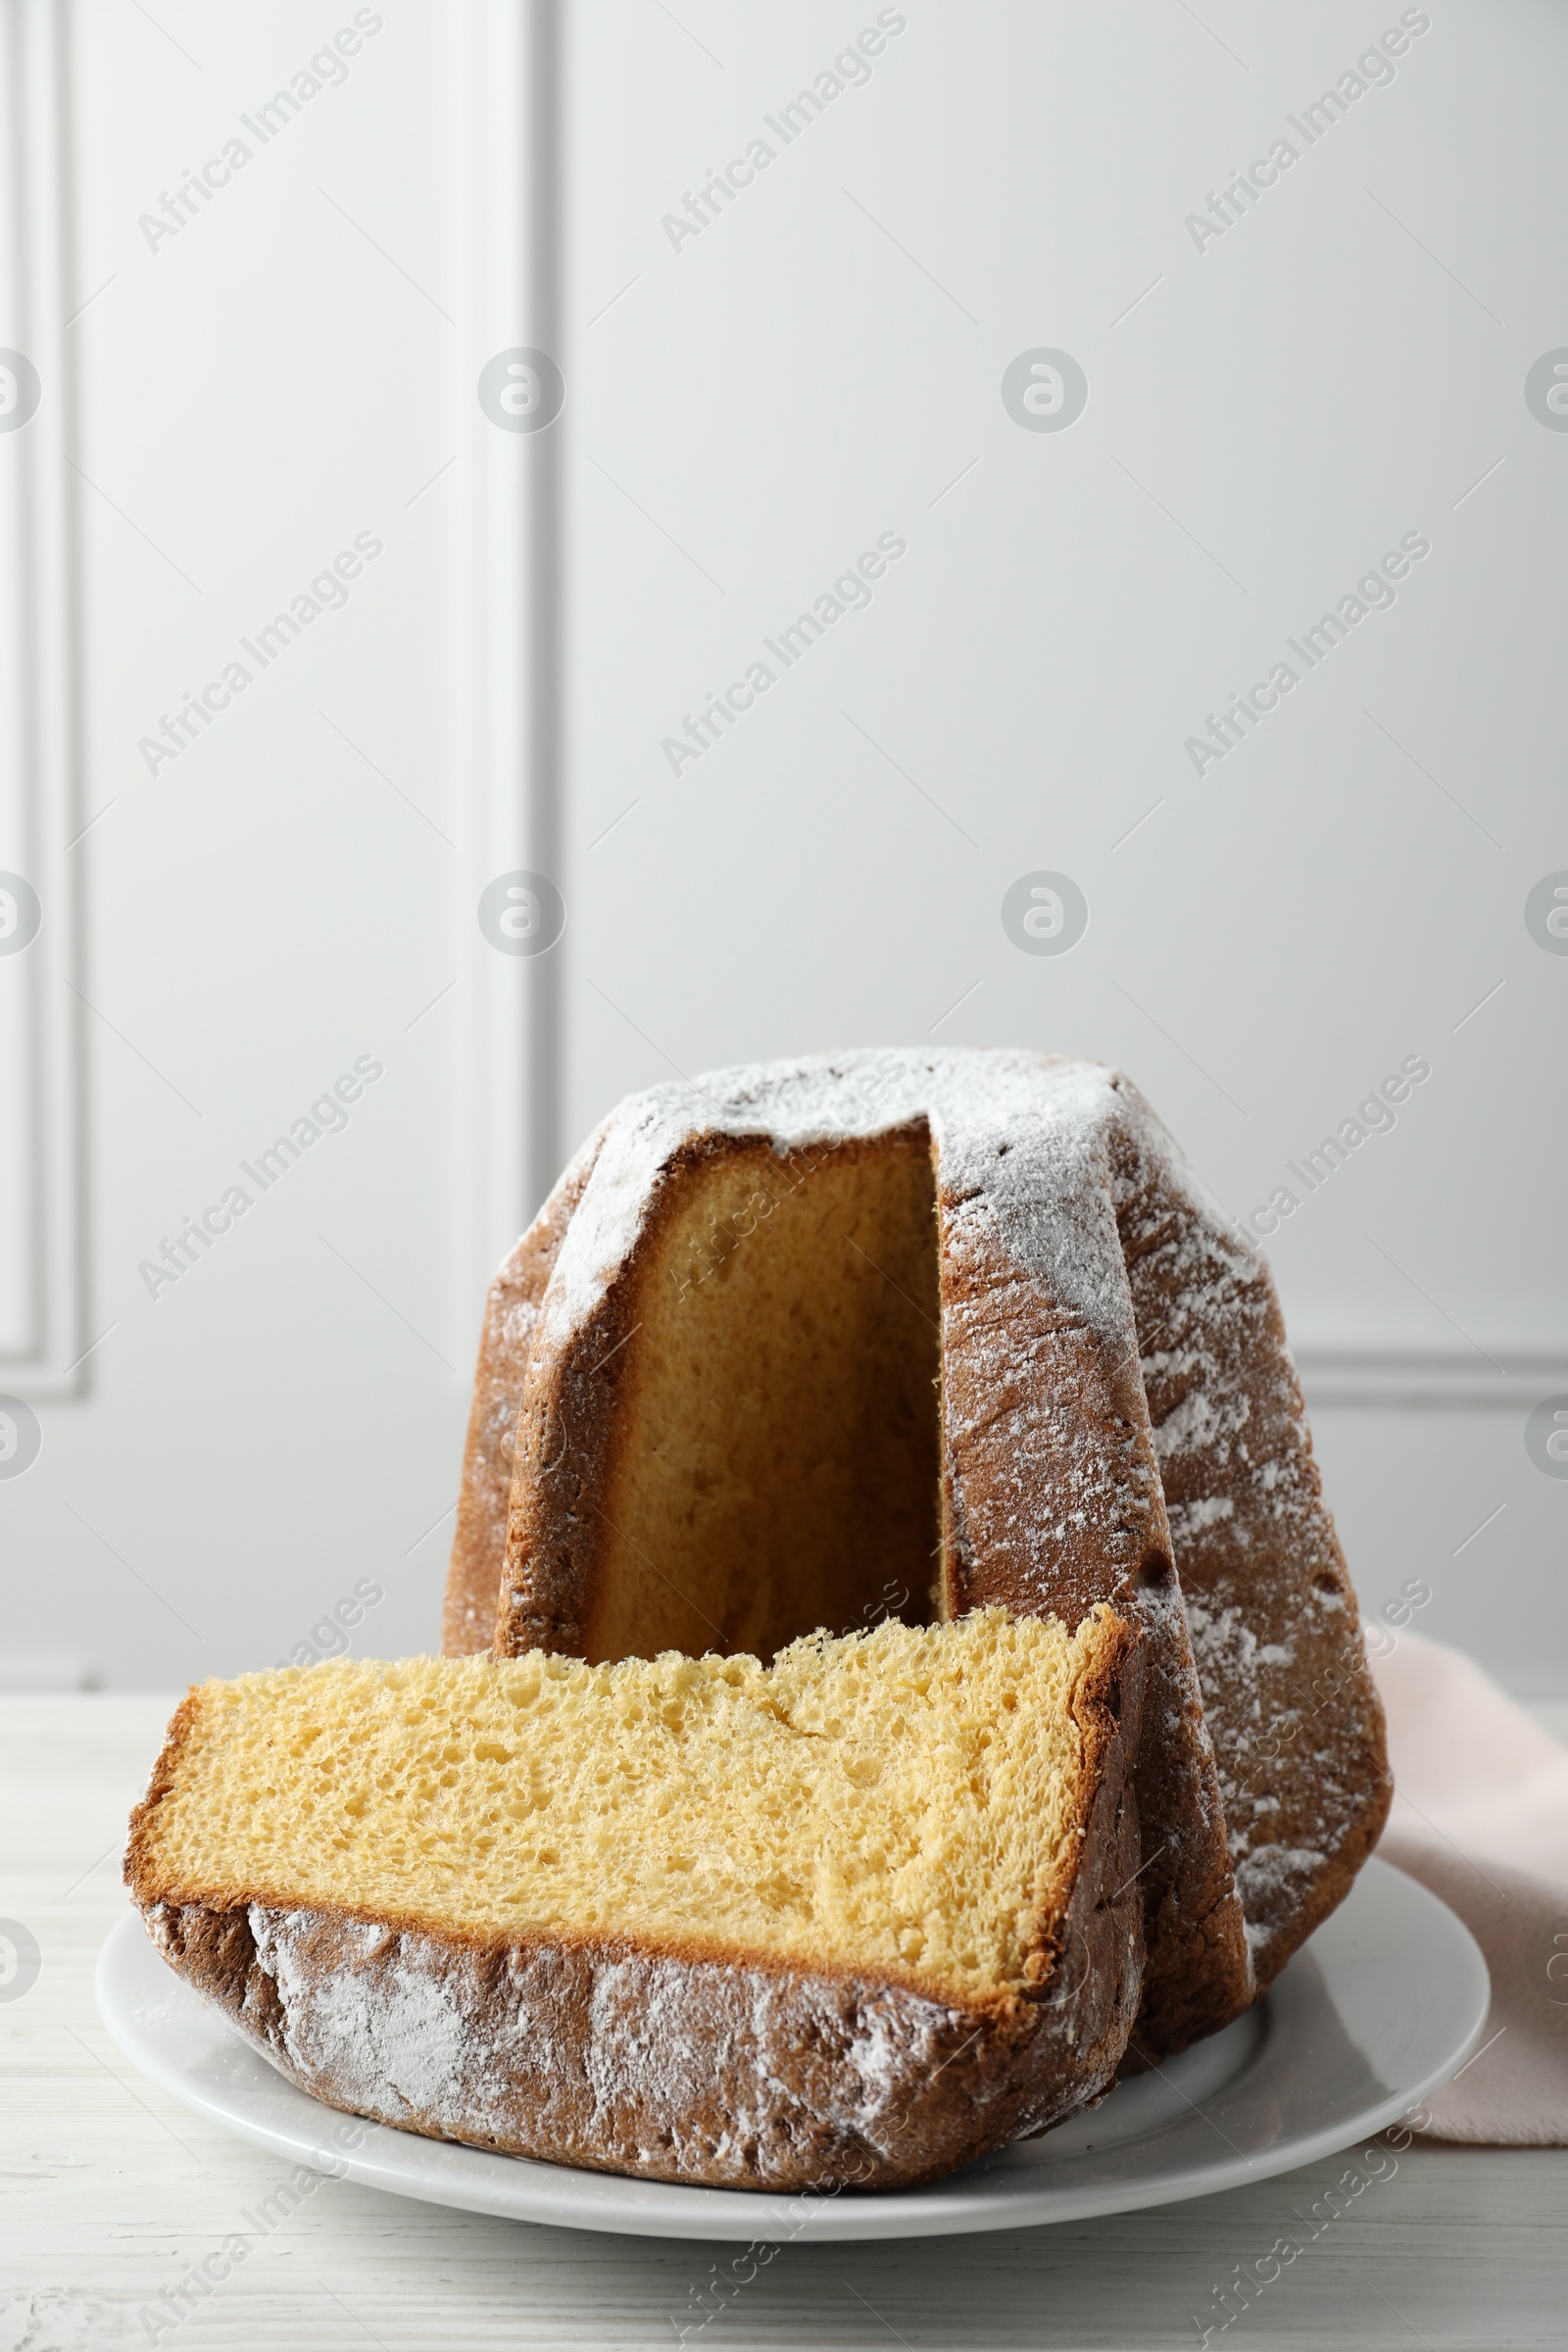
(797, 1344)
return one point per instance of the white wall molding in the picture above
(41, 1124)
(508, 651)
(1364, 1376)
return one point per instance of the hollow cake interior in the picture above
(777, 1463)
(909, 1801)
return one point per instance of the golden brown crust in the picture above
(512, 1307)
(740, 2070)
(141, 1868)
(1287, 1692)
(1032, 1393)
(571, 1423)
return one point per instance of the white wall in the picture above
(819, 365)
(254, 393)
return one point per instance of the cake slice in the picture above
(851, 1919)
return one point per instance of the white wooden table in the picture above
(109, 2191)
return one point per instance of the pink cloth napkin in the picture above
(1481, 1817)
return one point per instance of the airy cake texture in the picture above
(926, 1331)
(470, 1897)
(908, 1801)
(783, 1448)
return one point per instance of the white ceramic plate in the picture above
(1384, 2004)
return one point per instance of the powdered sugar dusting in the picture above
(377, 2021)
(1017, 1135)
(611, 2056)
